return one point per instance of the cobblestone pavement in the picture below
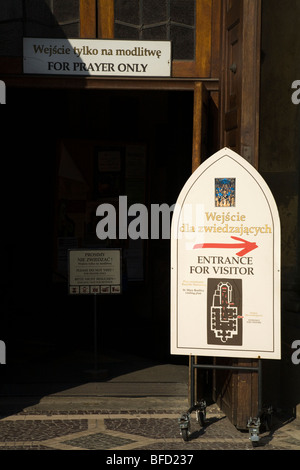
(125, 430)
(136, 409)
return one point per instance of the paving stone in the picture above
(36, 430)
(99, 441)
(113, 426)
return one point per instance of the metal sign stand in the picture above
(95, 335)
(95, 271)
(96, 371)
(207, 293)
(254, 424)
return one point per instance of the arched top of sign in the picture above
(225, 262)
(226, 188)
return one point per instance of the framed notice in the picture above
(95, 272)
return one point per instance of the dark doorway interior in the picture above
(40, 321)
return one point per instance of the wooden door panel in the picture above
(240, 48)
(232, 73)
(237, 393)
(97, 20)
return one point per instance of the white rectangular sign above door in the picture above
(98, 57)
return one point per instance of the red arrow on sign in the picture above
(245, 245)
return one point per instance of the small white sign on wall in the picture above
(95, 272)
(98, 57)
(225, 263)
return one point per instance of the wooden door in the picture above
(237, 392)
(192, 26)
(241, 21)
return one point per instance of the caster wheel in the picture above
(268, 423)
(255, 444)
(200, 417)
(185, 434)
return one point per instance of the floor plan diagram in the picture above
(224, 312)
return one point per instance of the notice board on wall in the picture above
(95, 272)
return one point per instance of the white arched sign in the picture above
(225, 263)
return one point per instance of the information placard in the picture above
(95, 271)
(225, 263)
(98, 57)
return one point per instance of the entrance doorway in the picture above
(59, 147)
(134, 145)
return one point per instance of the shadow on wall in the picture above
(279, 165)
(36, 18)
